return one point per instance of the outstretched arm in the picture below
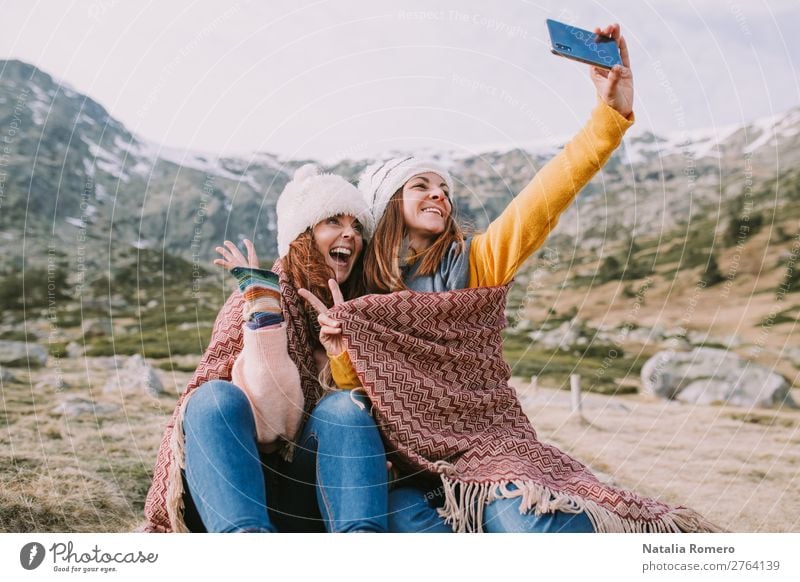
(497, 254)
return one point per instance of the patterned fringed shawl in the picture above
(433, 367)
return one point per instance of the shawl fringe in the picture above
(287, 450)
(175, 505)
(464, 504)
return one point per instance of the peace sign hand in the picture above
(233, 257)
(330, 335)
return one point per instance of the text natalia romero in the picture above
(692, 549)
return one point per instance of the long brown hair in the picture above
(305, 268)
(382, 273)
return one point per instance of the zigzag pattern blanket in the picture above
(432, 365)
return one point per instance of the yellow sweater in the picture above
(496, 255)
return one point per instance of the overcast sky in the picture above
(329, 79)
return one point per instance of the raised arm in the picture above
(263, 370)
(497, 254)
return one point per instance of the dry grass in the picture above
(740, 468)
(83, 474)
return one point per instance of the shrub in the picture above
(34, 287)
(712, 274)
(741, 227)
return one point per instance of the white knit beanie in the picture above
(312, 197)
(380, 181)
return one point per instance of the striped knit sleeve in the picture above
(262, 296)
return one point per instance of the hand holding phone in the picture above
(614, 83)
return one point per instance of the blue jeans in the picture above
(336, 481)
(414, 510)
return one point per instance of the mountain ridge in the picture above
(72, 165)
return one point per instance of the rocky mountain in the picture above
(77, 185)
(77, 180)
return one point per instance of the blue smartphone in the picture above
(582, 45)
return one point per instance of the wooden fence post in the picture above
(575, 395)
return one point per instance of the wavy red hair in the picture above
(305, 268)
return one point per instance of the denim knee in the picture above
(218, 403)
(338, 408)
(411, 511)
(503, 516)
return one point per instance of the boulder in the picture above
(74, 406)
(792, 354)
(699, 338)
(563, 337)
(642, 335)
(21, 354)
(646, 335)
(675, 332)
(676, 343)
(118, 301)
(75, 350)
(6, 375)
(135, 377)
(107, 362)
(53, 382)
(710, 375)
(97, 328)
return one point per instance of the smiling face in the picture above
(426, 208)
(339, 239)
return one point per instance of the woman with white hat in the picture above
(260, 448)
(419, 246)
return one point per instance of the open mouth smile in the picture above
(340, 255)
(433, 210)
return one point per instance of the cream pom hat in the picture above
(312, 197)
(380, 181)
